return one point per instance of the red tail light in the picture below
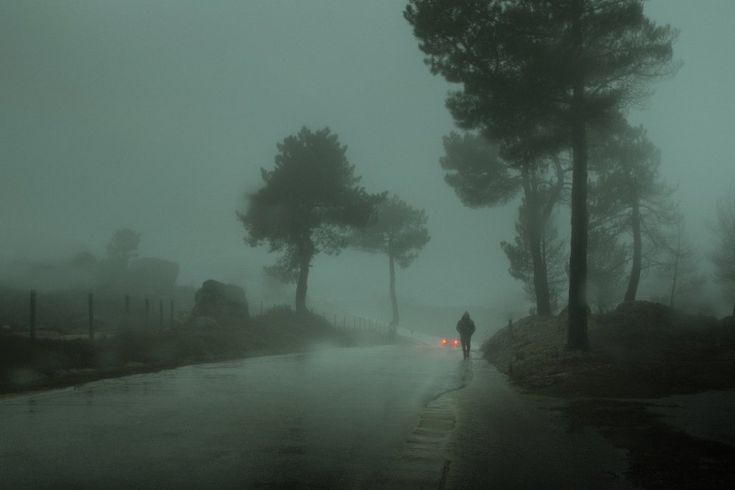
(455, 342)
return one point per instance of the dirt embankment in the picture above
(640, 349)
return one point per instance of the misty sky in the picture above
(157, 115)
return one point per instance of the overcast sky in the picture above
(157, 115)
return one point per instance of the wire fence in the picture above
(149, 313)
(141, 313)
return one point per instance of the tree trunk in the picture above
(577, 308)
(301, 285)
(540, 275)
(536, 224)
(635, 270)
(393, 301)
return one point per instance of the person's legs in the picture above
(465, 349)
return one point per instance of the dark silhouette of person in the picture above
(465, 327)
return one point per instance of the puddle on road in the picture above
(659, 456)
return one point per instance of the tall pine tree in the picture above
(542, 72)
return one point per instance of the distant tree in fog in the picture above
(399, 231)
(309, 204)
(544, 69)
(724, 256)
(481, 177)
(679, 265)
(628, 198)
(123, 245)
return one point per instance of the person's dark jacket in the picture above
(465, 326)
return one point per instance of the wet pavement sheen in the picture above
(332, 418)
(382, 417)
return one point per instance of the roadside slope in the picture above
(640, 349)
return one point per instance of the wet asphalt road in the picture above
(381, 417)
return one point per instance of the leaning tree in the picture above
(310, 203)
(629, 199)
(397, 230)
(607, 259)
(485, 174)
(547, 69)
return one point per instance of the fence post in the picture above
(32, 323)
(147, 311)
(90, 314)
(160, 314)
(126, 312)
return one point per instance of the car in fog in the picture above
(451, 343)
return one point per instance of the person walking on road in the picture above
(465, 327)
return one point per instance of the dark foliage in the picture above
(310, 202)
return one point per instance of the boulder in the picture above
(224, 303)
